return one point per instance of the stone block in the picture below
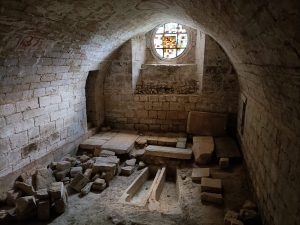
(42, 194)
(12, 196)
(107, 176)
(25, 207)
(63, 165)
(141, 165)
(79, 182)
(56, 190)
(88, 173)
(110, 159)
(206, 123)
(86, 189)
(130, 162)
(211, 185)
(84, 158)
(99, 184)
(199, 173)
(43, 178)
(99, 167)
(60, 175)
(60, 205)
(25, 188)
(75, 170)
(43, 210)
(168, 152)
(212, 197)
(224, 163)
(106, 153)
(203, 147)
(127, 170)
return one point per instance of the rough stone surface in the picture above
(127, 170)
(43, 178)
(78, 182)
(56, 190)
(75, 170)
(86, 189)
(130, 162)
(99, 184)
(42, 194)
(63, 165)
(26, 188)
(203, 148)
(104, 167)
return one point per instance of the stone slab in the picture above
(206, 123)
(203, 147)
(168, 152)
(79, 182)
(127, 170)
(104, 167)
(92, 143)
(56, 190)
(199, 173)
(109, 159)
(211, 185)
(226, 147)
(122, 143)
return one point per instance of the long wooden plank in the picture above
(168, 152)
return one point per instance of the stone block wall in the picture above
(124, 109)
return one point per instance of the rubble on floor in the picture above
(247, 215)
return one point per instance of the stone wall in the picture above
(162, 111)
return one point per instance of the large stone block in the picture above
(79, 182)
(43, 178)
(25, 207)
(203, 147)
(206, 123)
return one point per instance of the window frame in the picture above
(154, 48)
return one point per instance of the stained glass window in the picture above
(170, 40)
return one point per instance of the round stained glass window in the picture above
(170, 40)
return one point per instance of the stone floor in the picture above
(104, 208)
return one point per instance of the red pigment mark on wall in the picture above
(29, 42)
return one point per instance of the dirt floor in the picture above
(184, 206)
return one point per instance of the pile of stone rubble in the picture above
(44, 194)
(248, 215)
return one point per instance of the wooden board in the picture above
(206, 123)
(168, 152)
(226, 147)
(122, 143)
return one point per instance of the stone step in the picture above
(168, 152)
(211, 185)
